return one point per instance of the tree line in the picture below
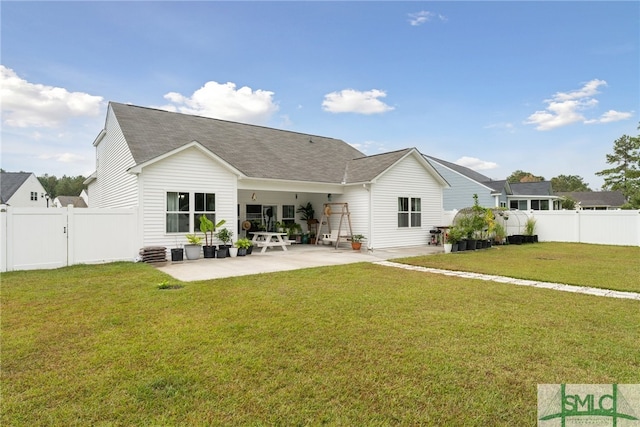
(65, 186)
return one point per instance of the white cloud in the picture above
(26, 104)
(353, 101)
(611, 116)
(424, 16)
(369, 147)
(508, 127)
(63, 157)
(565, 108)
(475, 164)
(223, 101)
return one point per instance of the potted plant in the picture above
(529, 229)
(233, 251)
(356, 241)
(294, 231)
(192, 249)
(499, 234)
(307, 214)
(224, 235)
(243, 246)
(208, 228)
(454, 237)
(177, 254)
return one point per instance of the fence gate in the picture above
(36, 238)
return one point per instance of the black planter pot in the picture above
(516, 239)
(249, 250)
(209, 251)
(454, 247)
(242, 251)
(479, 244)
(223, 251)
(177, 254)
(528, 239)
(471, 244)
(462, 245)
(535, 238)
(485, 244)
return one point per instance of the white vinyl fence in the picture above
(35, 238)
(41, 238)
(619, 227)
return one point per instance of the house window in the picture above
(205, 205)
(34, 196)
(288, 214)
(540, 205)
(177, 212)
(409, 212)
(518, 204)
(185, 209)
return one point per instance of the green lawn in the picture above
(598, 266)
(357, 344)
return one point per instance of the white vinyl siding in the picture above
(24, 195)
(460, 193)
(116, 188)
(192, 172)
(410, 179)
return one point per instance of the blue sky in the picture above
(544, 87)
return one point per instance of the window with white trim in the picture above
(205, 205)
(177, 212)
(518, 205)
(409, 212)
(34, 196)
(540, 205)
(288, 214)
(185, 209)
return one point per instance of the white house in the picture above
(175, 167)
(22, 189)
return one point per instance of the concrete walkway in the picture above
(510, 280)
(306, 256)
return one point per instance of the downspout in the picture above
(370, 231)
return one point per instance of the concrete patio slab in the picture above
(275, 259)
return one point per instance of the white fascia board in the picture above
(193, 144)
(99, 138)
(90, 178)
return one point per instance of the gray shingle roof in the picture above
(256, 151)
(612, 199)
(365, 169)
(76, 201)
(469, 173)
(541, 188)
(10, 182)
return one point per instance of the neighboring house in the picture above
(595, 200)
(465, 182)
(22, 189)
(64, 201)
(175, 167)
(536, 196)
